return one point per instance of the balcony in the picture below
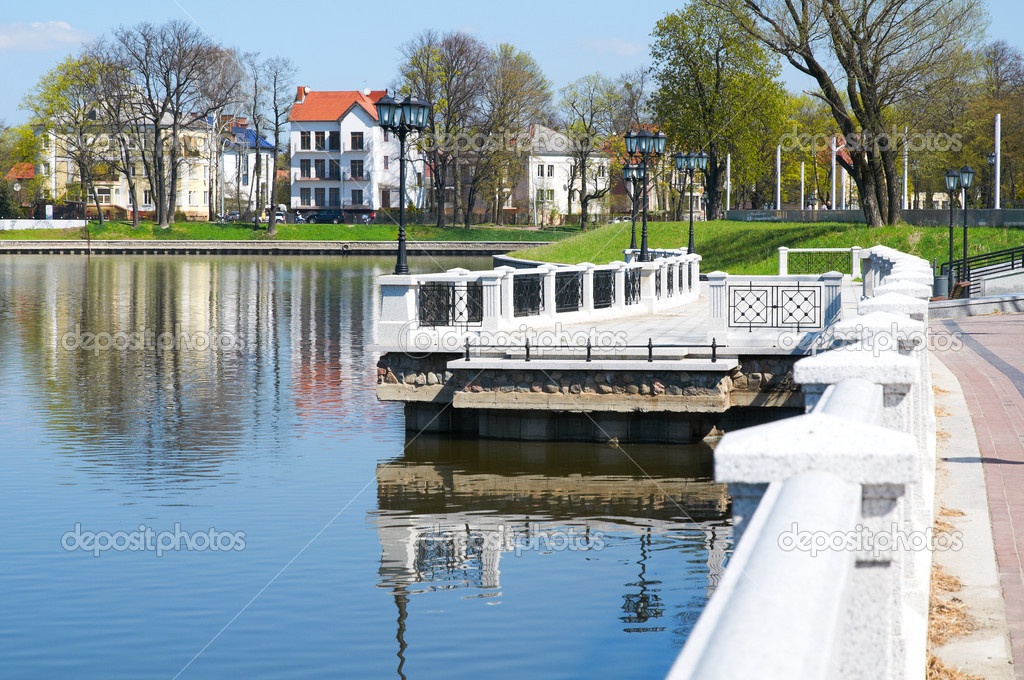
(349, 177)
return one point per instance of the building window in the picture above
(540, 171)
(206, 198)
(304, 196)
(551, 171)
(551, 194)
(419, 179)
(321, 140)
(206, 173)
(356, 168)
(245, 174)
(335, 141)
(321, 168)
(357, 141)
(357, 197)
(103, 195)
(335, 197)
(385, 135)
(600, 171)
(131, 169)
(193, 172)
(540, 195)
(192, 198)
(335, 169)
(385, 162)
(304, 141)
(385, 198)
(319, 195)
(304, 166)
(147, 198)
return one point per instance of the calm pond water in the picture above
(345, 547)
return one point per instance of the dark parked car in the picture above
(332, 216)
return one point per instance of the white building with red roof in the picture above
(342, 160)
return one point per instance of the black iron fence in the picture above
(527, 294)
(820, 262)
(632, 287)
(443, 303)
(986, 264)
(604, 289)
(568, 291)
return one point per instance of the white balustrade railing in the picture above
(830, 575)
(437, 312)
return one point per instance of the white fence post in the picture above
(783, 261)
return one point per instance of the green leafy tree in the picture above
(717, 91)
(65, 104)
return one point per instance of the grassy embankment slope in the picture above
(205, 231)
(752, 247)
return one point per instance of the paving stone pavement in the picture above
(987, 357)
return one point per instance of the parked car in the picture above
(329, 216)
(234, 216)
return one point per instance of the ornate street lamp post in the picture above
(952, 184)
(687, 163)
(401, 117)
(631, 172)
(966, 179)
(645, 143)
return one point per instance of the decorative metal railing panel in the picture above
(670, 279)
(791, 307)
(689, 277)
(818, 262)
(632, 287)
(445, 304)
(657, 285)
(604, 289)
(527, 294)
(568, 291)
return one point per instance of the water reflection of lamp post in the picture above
(401, 117)
(642, 606)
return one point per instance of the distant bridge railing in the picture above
(819, 260)
(818, 585)
(434, 312)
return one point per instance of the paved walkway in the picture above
(990, 367)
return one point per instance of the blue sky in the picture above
(351, 45)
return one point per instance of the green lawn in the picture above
(752, 247)
(186, 231)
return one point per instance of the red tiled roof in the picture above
(321, 106)
(21, 171)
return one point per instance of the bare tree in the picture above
(515, 94)
(447, 71)
(180, 76)
(279, 76)
(588, 106)
(868, 58)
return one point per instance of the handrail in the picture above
(650, 347)
(995, 262)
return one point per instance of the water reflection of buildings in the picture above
(299, 327)
(446, 511)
